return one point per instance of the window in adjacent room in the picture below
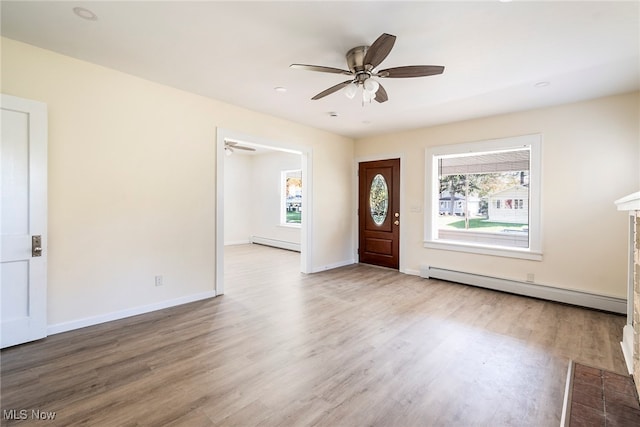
(291, 213)
(484, 197)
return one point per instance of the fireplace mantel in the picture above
(631, 332)
(629, 203)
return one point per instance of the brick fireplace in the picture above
(631, 332)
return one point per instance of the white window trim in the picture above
(283, 200)
(534, 252)
(290, 225)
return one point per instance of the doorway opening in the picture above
(263, 196)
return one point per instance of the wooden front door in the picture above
(379, 213)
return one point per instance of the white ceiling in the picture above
(238, 52)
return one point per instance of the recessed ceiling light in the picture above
(280, 89)
(85, 14)
(542, 84)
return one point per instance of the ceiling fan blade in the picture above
(378, 51)
(321, 69)
(411, 71)
(332, 89)
(381, 95)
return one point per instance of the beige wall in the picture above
(237, 201)
(132, 183)
(591, 157)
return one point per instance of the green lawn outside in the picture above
(479, 224)
(294, 217)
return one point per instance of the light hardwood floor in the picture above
(354, 346)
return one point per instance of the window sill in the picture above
(500, 251)
(294, 225)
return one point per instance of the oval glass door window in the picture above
(379, 199)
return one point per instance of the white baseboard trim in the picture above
(568, 296)
(332, 266)
(237, 242)
(117, 315)
(276, 243)
(411, 272)
(627, 347)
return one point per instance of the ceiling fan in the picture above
(230, 146)
(362, 62)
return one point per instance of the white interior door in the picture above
(23, 216)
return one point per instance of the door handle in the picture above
(396, 222)
(36, 246)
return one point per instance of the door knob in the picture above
(396, 222)
(36, 246)
(397, 215)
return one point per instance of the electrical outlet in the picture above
(530, 277)
(159, 281)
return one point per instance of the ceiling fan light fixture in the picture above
(371, 86)
(351, 90)
(368, 96)
(363, 62)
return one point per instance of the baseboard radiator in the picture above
(583, 299)
(276, 243)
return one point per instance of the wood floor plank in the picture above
(357, 345)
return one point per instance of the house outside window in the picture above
(484, 197)
(291, 213)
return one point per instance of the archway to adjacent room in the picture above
(282, 151)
